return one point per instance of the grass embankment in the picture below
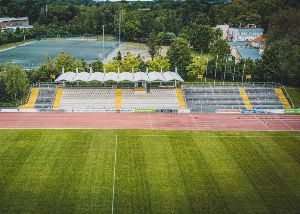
(67, 171)
(295, 95)
(10, 45)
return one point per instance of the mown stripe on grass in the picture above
(239, 194)
(202, 189)
(262, 176)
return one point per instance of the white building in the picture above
(240, 34)
(14, 23)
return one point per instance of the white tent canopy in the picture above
(83, 76)
(156, 76)
(120, 77)
(126, 76)
(68, 77)
(141, 77)
(172, 76)
(111, 76)
(97, 76)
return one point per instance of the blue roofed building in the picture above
(247, 53)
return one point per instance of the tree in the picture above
(200, 37)
(220, 47)
(97, 66)
(68, 63)
(285, 24)
(153, 45)
(280, 63)
(179, 55)
(16, 83)
(112, 66)
(159, 63)
(119, 56)
(197, 67)
(131, 30)
(131, 62)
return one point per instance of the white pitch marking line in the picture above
(114, 179)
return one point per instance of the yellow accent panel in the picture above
(180, 97)
(57, 99)
(246, 99)
(140, 90)
(32, 98)
(118, 99)
(284, 101)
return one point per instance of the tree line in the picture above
(189, 24)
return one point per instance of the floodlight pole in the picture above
(102, 42)
(233, 72)
(120, 27)
(225, 71)
(24, 34)
(216, 69)
(206, 70)
(243, 73)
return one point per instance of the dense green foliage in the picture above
(14, 85)
(294, 93)
(72, 171)
(179, 55)
(160, 22)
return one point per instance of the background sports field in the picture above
(33, 54)
(97, 171)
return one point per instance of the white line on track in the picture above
(150, 121)
(263, 122)
(193, 119)
(114, 179)
(284, 123)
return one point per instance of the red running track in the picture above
(150, 121)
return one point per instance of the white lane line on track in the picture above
(150, 121)
(194, 121)
(263, 122)
(284, 123)
(114, 179)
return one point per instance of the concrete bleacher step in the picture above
(245, 99)
(32, 98)
(282, 98)
(118, 99)
(180, 97)
(57, 99)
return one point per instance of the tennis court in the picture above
(34, 54)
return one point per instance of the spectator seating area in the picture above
(263, 98)
(88, 99)
(155, 99)
(45, 97)
(205, 99)
(210, 99)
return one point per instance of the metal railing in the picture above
(233, 84)
(288, 96)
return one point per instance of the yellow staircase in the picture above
(57, 99)
(32, 98)
(246, 99)
(118, 99)
(180, 97)
(284, 101)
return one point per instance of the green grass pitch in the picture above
(95, 171)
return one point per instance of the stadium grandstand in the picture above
(153, 92)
